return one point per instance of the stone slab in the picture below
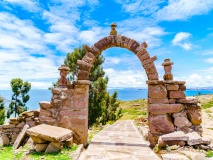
(41, 147)
(53, 147)
(194, 155)
(174, 156)
(165, 108)
(20, 137)
(194, 138)
(188, 100)
(50, 133)
(175, 136)
(176, 94)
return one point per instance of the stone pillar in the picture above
(167, 68)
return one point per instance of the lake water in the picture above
(37, 96)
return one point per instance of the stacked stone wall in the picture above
(170, 110)
(10, 131)
(68, 109)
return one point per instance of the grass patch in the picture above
(207, 105)
(133, 109)
(6, 153)
(209, 154)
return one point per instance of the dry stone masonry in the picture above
(11, 130)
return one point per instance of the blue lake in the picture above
(37, 96)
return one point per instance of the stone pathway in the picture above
(120, 141)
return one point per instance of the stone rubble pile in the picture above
(49, 139)
(10, 131)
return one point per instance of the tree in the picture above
(20, 96)
(98, 88)
(2, 111)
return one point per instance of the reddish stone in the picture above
(150, 69)
(144, 57)
(172, 101)
(79, 104)
(84, 65)
(176, 94)
(165, 108)
(134, 46)
(194, 114)
(14, 136)
(188, 100)
(153, 139)
(72, 112)
(172, 87)
(175, 136)
(5, 139)
(160, 124)
(83, 75)
(45, 105)
(41, 147)
(126, 42)
(89, 58)
(180, 120)
(182, 87)
(78, 121)
(153, 76)
(157, 91)
(53, 147)
(158, 101)
(150, 60)
(45, 113)
(141, 53)
(141, 47)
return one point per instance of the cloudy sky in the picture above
(36, 35)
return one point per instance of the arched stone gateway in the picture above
(117, 41)
(169, 111)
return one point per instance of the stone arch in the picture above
(117, 41)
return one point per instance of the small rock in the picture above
(41, 147)
(194, 138)
(53, 147)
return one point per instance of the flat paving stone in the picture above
(119, 141)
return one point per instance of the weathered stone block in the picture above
(180, 120)
(41, 147)
(160, 124)
(83, 75)
(188, 100)
(50, 133)
(153, 139)
(175, 136)
(172, 101)
(84, 65)
(45, 113)
(162, 143)
(53, 147)
(172, 87)
(157, 91)
(5, 139)
(14, 137)
(176, 94)
(158, 100)
(165, 108)
(45, 105)
(38, 140)
(153, 76)
(194, 114)
(20, 137)
(89, 58)
(194, 138)
(69, 142)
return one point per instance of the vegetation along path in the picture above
(120, 141)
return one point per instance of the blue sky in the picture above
(36, 35)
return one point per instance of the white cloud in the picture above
(125, 79)
(29, 5)
(151, 35)
(207, 52)
(144, 7)
(180, 38)
(199, 81)
(209, 60)
(184, 9)
(24, 53)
